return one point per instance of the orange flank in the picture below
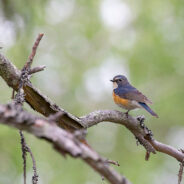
(119, 100)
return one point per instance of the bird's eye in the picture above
(119, 80)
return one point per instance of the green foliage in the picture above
(82, 52)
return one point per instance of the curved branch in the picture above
(169, 150)
(134, 126)
(120, 118)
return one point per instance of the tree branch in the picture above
(37, 69)
(33, 53)
(134, 126)
(34, 97)
(24, 154)
(18, 102)
(63, 141)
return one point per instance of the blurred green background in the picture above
(86, 43)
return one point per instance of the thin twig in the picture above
(147, 156)
(33, 53)
(35, 176)
(13, 94)
(19, 100)
(180, 173)
(24, 150)
(113, 162)
(37, 69)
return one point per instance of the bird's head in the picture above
(119, 80)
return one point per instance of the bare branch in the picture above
(60, 139)
(112, 162)
(169, 150)
(180, 173)
(9, 72)
(120, 118)
(26, 149)
(147, 156)
(39, 102)
(134, 126)
(37, 69)
(35, 175)
(24, 154)
(18, 101)
(33, 53)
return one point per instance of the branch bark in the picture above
(63, 141)
(34, 97)
(133, 124)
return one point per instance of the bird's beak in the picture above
(112, 80)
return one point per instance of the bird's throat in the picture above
(115, 85)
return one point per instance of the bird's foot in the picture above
(148, 132)
(141, 120)
(126, 113)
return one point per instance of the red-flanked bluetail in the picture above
(128, 97)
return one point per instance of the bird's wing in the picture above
(131, 93)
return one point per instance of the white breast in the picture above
(132, 105)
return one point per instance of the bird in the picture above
(128, 97)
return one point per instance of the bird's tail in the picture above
(146, 107)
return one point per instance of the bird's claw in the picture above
(126, 113)
(141, 118)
